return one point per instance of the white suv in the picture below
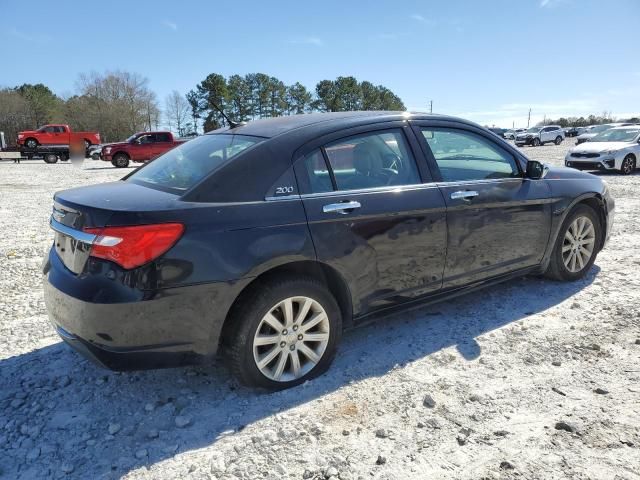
(537, 136)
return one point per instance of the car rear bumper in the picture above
(135, 330)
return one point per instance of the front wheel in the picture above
(628, 165)
(120, 161)
(31, 143)
(577, 245)
(536, 142)
(558, 140)
(283, 333)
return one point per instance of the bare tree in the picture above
(116, 103)
(176, 111)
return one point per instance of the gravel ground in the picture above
(531, 379)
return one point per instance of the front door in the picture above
(498, 221)
(143, 148)
(374, 217)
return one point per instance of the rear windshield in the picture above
(184, 166)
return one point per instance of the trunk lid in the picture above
(95, 206)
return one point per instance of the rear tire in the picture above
(263, 329)
(628, 165)
(120, 161)
(558, 140)
(579, 238)
(50, 158)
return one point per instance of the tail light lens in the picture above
(131, 247)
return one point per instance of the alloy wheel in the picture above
(627, 165)
(291, 339)
(578, 244)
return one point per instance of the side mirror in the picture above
(536, 170)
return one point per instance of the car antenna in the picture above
(232, 124)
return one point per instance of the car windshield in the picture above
(184, 166)
(533, 130)
(614, 135)
(600, 128)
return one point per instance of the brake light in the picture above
(134, 246)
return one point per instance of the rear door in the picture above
(163, 142)
(374, 214)
(497, 220)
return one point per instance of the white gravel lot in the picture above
(471, 389)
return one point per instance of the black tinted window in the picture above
(163, 137)
(375, 159)
(462, 155)
(317, 172)
(184, 166)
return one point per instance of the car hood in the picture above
(593, 147)
(565, 173)
(587, 135)
(27, 132)
(117, 144)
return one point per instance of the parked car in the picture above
(593, 130)
(511, 134)
(537, 136)
(613, 149)
(268, 239)
(140, 147)
(58, 134)
(498, 131)
(95, 152)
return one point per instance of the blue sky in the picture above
(486, 60)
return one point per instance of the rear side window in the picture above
(181, 168)
(163, 137)
(369, 160)
(462, 155)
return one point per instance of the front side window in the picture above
(370, 160)
(144, 139)
(182, 167)
(462, 155)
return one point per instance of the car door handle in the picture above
(342, 207)
(464, 195)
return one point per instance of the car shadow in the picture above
(77, 402)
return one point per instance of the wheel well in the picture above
(597, 205)
(121, 153)
(334, 282)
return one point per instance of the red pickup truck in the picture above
(56, 134)
(139, 147)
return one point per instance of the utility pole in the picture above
(529, 118)
(430, 106)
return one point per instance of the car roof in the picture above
(272, 127)
(627, 127)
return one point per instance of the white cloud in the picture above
(316, 41)
(173, 26)
(418, 17)
(551, 3)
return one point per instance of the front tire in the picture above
(628, 165)
(535, 142)
(283, 333)
(558, 140)
(577, 245)
(31, 143)
(120, 161)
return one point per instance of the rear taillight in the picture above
(134, 246)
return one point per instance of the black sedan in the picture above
(266, 240)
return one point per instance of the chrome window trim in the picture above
(78, 235)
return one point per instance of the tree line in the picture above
(605, 117)
(257, 95)
(119, 103)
